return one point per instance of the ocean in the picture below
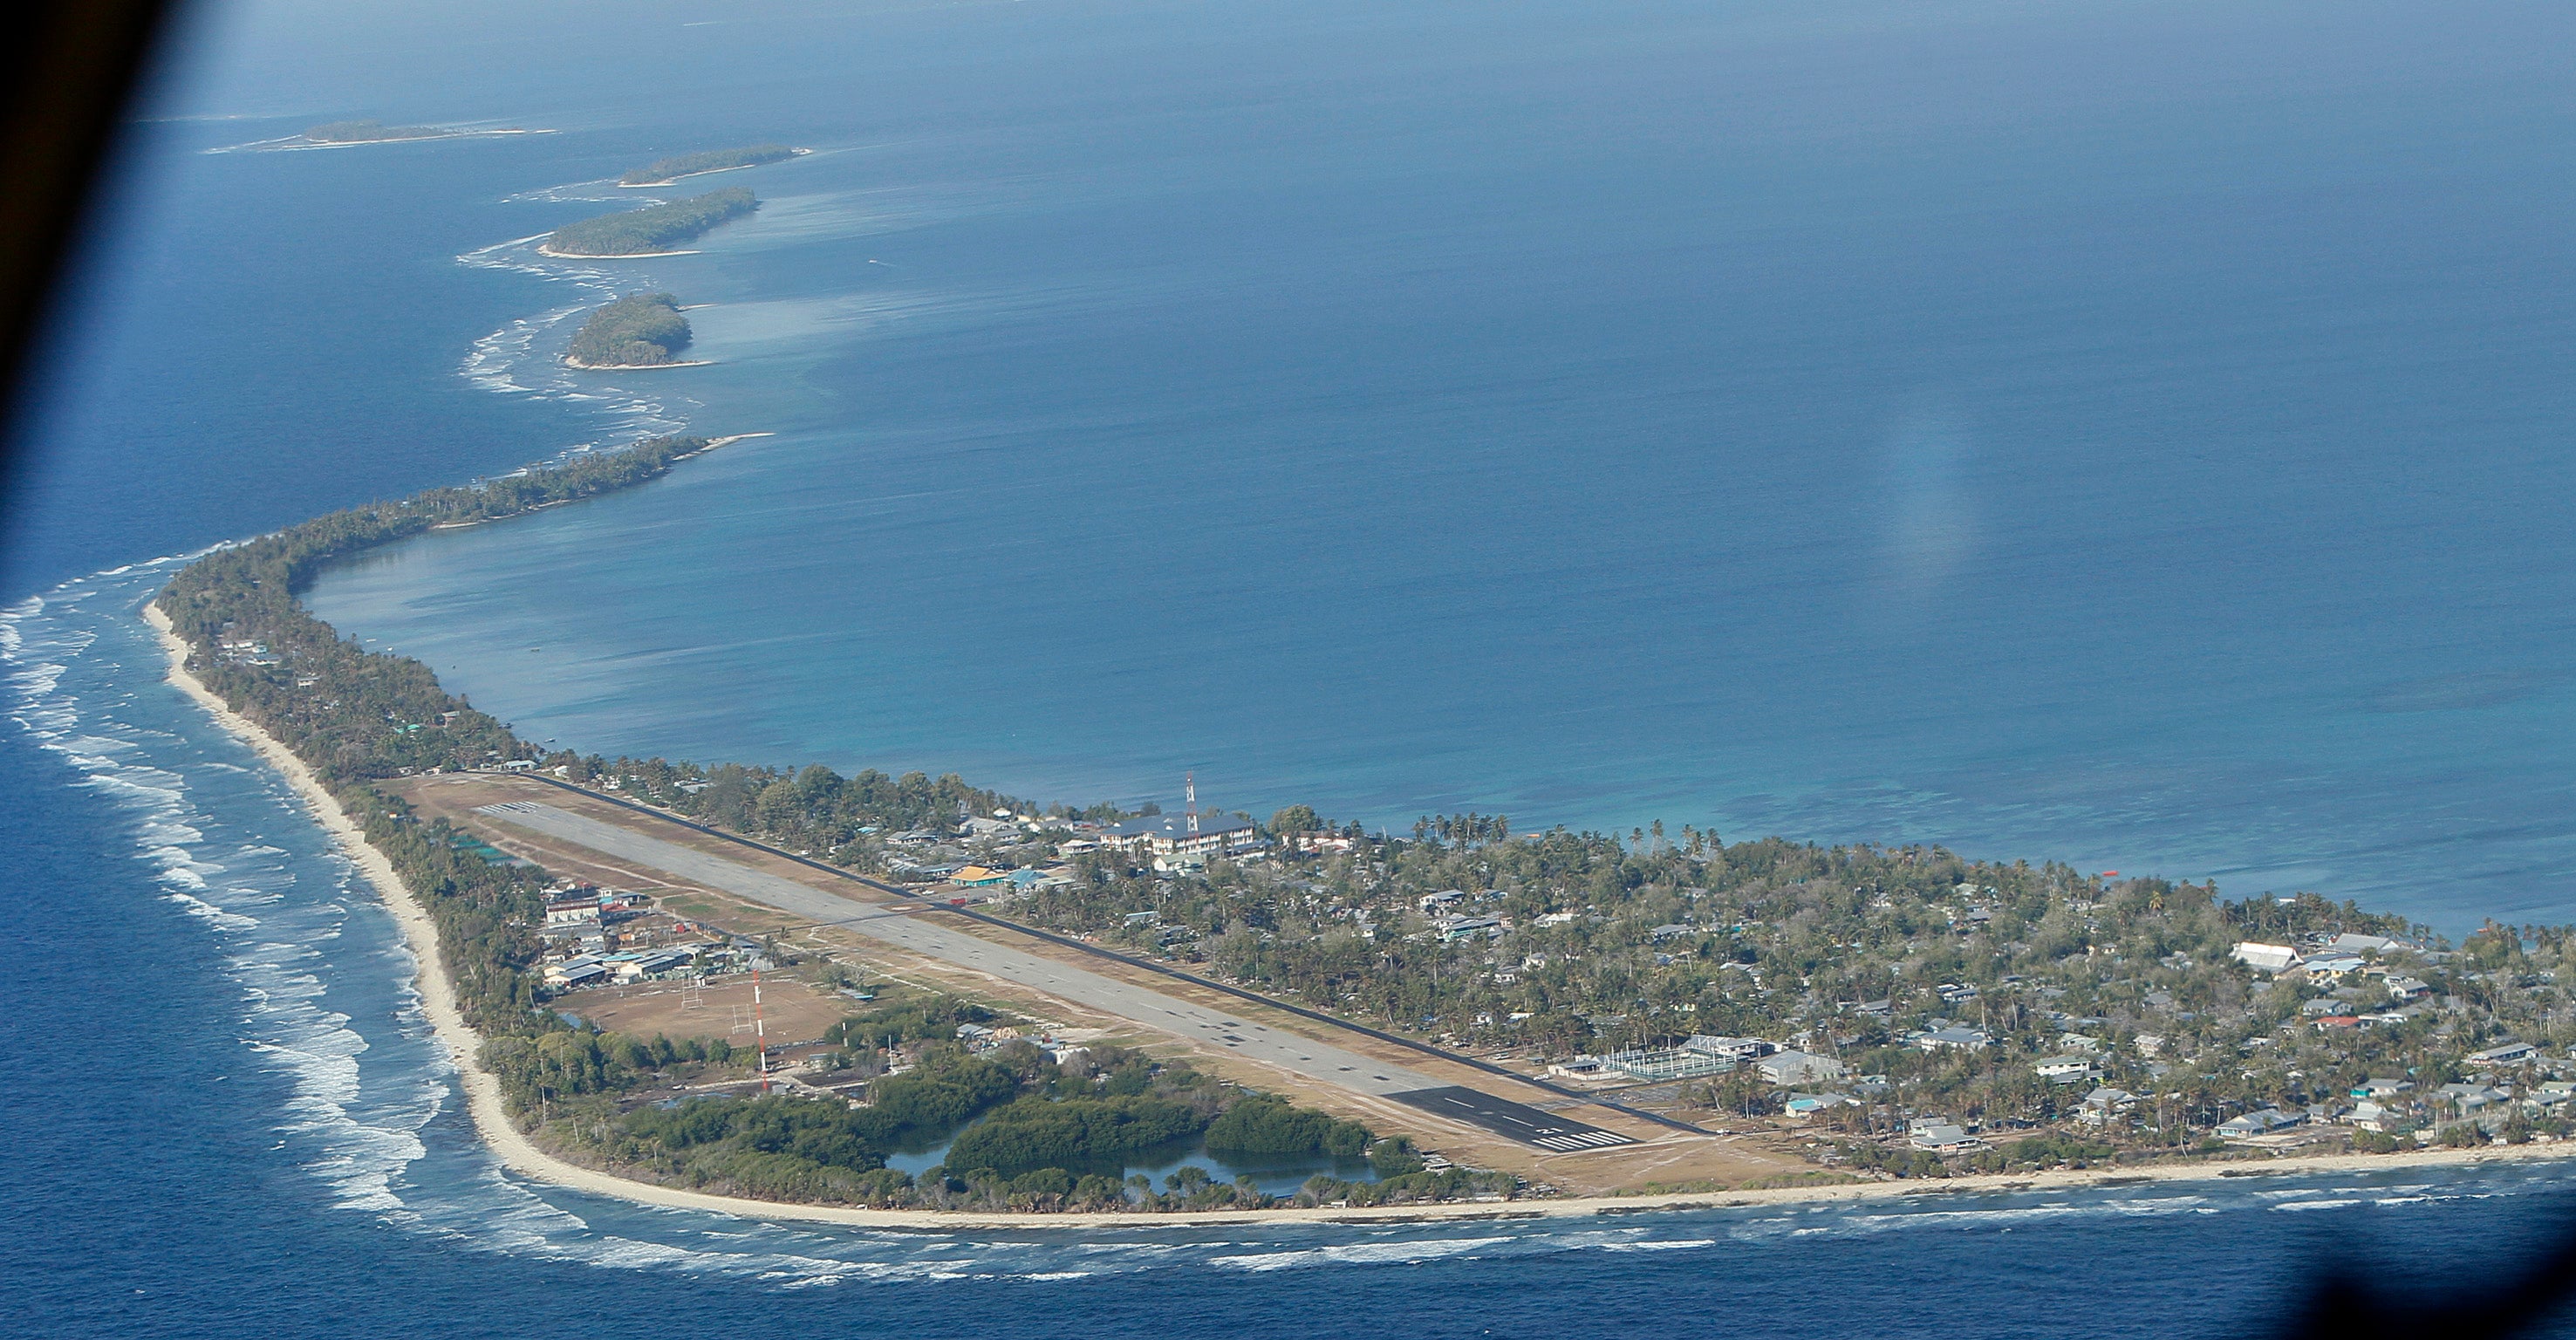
(2129, 436)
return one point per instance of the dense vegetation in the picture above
(1554, 942)
(653, 228)
(640, 330)
(363, 132)
(355, 717)
(1272, 1126)
(663, 171)
(1078, 1135)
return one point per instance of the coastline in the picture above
(705, 172)
(572, 362)
(548, 249)
(520, 1155)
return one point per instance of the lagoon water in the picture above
(2135, 435)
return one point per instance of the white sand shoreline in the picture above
(548, 249)
(572, 362)
(516, 1152)
(706, 172)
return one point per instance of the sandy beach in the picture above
(483, 1094)
(548, 249)
(572, 362)
(703, 172)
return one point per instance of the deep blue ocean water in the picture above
(2133, 435)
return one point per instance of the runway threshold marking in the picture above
(1514, 1121)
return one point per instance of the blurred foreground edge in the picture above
(67, 72)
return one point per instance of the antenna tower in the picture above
(759, 1030)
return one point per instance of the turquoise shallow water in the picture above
(2126, 439)
(2131, 432)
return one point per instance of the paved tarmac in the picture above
(920, 934)
(1514, 1121)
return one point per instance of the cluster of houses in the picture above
(2336, 960)
(1165, 841)
(601, 937)
(1704, 1055)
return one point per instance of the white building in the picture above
(1172, 840)
(2265, 958)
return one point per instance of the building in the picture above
(1805, 1105)
(583, 971)
(2266, 958)
(2327, 967)
(1672, 1063)
(2066, 1069)
(2103, 1104)
(2359, 944)
(1587, 1070)
(1943, 1138)
(1170, 839)
(2511, 1053)
(1467, 928)
(1790, 1067)
(977, 877)
(2267, 1121)
(1957, 1036)
(2469, 1097)
(1443, 900)
(1738, 1050)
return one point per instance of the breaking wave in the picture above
(326, 1001)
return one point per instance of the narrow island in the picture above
(1703, 1022)
(643, 330)
(651, 231)
(372, 132)
(665, 171)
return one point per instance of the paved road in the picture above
(1288, 1051)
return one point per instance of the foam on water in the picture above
(328, 1002)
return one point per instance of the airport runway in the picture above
(918, 933)
(1512, 1121)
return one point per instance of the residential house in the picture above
(2267, 1121)
(1805, 1105)
(2265, 958)
(1944, 1139)
(2066, 1069)
(2103, 1104)
(2511, 1053)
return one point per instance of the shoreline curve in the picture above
(520, 1155)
